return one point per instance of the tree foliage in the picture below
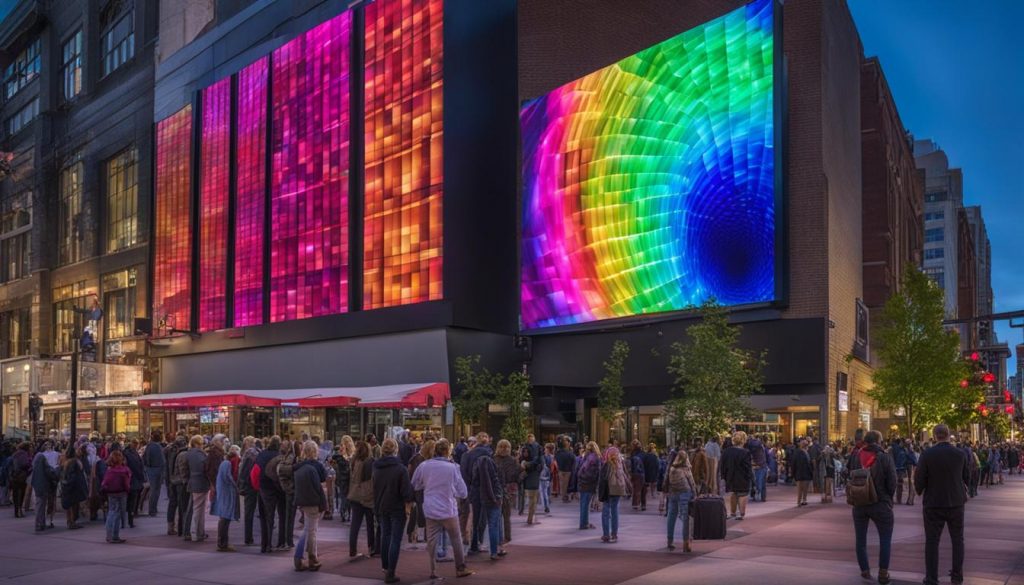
(478, 387)
(713, 377)
(998, 425)
(609, 391)
(514, 395)
(921, 368)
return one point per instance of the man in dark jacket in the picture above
(533, 462)
(392, 490)
(154, 462)
(759, 460)
(566, 461)
(308, 477)
(737, 473)
(44, 484)
(942, 476)
(871, 456)
(652, 469)
(199, 487)
(271, 495)
(486, 494)
(250, 493)
(406, 449)
(138, 469)
(899, 459)
(803, 472)
(467, 467)
(175, 485)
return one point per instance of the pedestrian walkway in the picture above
(776, 544)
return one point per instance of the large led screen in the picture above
(172, 271)
(309, 181)
(214, 186)
(402, 227)
(649, 185)
(250, 193)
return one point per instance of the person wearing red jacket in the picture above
(117, 482)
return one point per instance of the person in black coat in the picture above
(652, 468)
(44, 484)
(883, 474)
(737, 472)
(942, 477)
(392, 490)
(803, 472)
(134, 462)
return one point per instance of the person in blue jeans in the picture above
(883, 474)
(392, 490)
(588, 474)
(615, 483)
(487, 489)
(681, 488)
(545, 478)
(116, 485)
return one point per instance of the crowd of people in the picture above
(459, 498)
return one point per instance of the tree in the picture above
(921, 367)
(713, 377)
(514, 395)
(968, 397)
(609, 391)
(477, 388)
(998, 424)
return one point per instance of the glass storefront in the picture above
(296, 421)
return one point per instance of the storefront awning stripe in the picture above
(393, 396)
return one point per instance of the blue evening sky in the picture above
(956, 69)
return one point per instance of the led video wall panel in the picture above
(649, 185)
(214, 187)
(309, 189)
(250, 193)
(172, 237)
(402, 237)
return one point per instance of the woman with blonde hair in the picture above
(681, 488)
(309, 476)
(615, 483)
(737, 473)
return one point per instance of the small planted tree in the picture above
(514, 395)
(713, 377)
(921, 366)
(478, 387)
(609, 391)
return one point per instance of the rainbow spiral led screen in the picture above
(649, 185)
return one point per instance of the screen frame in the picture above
(780, 120)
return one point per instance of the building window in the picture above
(66, 320)
(119, 302)
(935, 216)
(938, 275)
(15, 230)
(69, 215)
(122, 200)
(933, 235)
(23, 117)
(119, 43)
(71, 65)
(936, 196)
(860, 343)
(934, 253)
(16, 330)
(22, 70)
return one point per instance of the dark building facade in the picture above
(77, 110)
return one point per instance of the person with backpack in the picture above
(392, 492)
(285, 465)
(184, 496)
(360, 499)
(508, 474)
(117, 482)
(487, 492)
(681, 488)
(173, 483)
(870, 490)
(615, 483)
(941, 480)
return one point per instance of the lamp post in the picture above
(74, 391)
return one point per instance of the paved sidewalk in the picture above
(777, 543)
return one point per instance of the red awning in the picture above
(393, 396)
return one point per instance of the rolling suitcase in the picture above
(708, 518)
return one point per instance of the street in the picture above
(776, 544)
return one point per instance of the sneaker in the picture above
(866, 575)
(739, 518)
(605, 538)
(614, 539)
(463, 572)
(883, 577)
(227, 548)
